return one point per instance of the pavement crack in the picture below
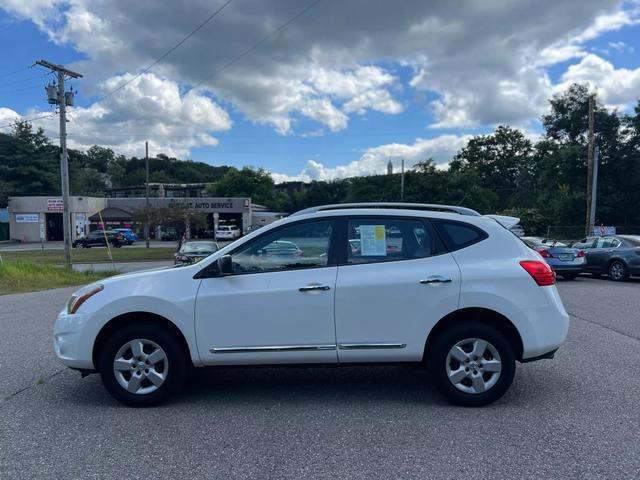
(39, 381)
(605, 326)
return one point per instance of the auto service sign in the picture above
(55, 205)
(27, 218)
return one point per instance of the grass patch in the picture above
(92, 255)
(18, 277)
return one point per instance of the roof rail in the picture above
(392, 205)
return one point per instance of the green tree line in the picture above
(543, 181)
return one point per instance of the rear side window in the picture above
(457, 235)
(377, 239)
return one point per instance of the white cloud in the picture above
(478, 63)
(8, 116)
(149, 108)
(374, 160)
(616, 87)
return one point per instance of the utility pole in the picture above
(402, 180)
(61, 101)
(594, 188)
(146, 192)
(589, 219)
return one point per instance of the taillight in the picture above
(580, 254)
(544, 253)
(541, 272)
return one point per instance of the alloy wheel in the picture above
(473, 365)
(140, 366)
(617, 271)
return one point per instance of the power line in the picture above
(261, 41)
(22, 119)
(3, 75)
(30, 87)
(168, 52)
(26, 79)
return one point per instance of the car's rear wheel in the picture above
(472, 364)
(142, 365)
(618, 271)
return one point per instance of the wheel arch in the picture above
(130, 318)
(616, 259)
(482, 315)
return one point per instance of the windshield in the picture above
(199, 247)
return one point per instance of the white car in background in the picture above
(457, 293)
(227, 232)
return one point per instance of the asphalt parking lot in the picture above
(577, 416)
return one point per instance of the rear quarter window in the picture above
(457, 235)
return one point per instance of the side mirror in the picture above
(225, 266)
(222, 267)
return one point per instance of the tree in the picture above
(248, 182)
(502, 162)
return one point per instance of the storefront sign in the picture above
(27, 218)
(55, 205)
(602, 230)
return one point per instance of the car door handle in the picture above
(435, 279)
(310, 288)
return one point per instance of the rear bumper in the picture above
(567, 269)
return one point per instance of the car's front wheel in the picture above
(472, 364)
(142, 365)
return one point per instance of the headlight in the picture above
(81, 296)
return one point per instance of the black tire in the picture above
(176, 364)
(618, 271)
(447, 339)
(569, 276)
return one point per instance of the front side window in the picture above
(382, 240)
(303, 245)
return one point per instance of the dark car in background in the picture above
(617, 256)
(97, 239)
(194, 251)
(566, 261)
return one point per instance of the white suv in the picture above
(225, 232)
(344, 284)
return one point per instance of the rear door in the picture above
(599, 256)
(395, 281)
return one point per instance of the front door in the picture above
(277, 306)
(396, 283)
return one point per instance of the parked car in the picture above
(169, 235)
(97, 239)
(227, 232)
(565, 261)
(617, 256)
(461, 295)
(194, 251)
(129, 235)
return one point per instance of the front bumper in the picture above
(68, 344)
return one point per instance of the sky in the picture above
(311, 89)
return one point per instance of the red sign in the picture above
(55, 204)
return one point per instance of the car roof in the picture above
(391, 205)
(390, 212)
